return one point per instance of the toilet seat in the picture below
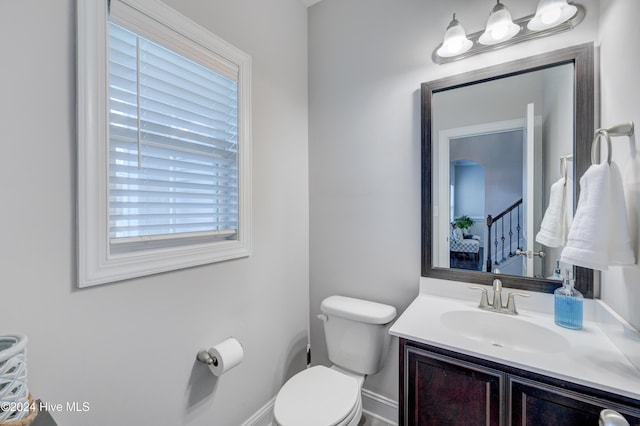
(317, 396)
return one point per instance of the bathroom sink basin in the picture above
(504, 331)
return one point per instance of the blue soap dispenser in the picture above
(568, 304)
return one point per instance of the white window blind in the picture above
(173, 139)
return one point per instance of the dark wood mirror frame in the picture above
(582, 58)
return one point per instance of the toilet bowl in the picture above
(356, 332)
(320, 396)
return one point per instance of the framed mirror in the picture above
(494, 141)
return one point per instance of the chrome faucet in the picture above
(496, 305)
(497, 294)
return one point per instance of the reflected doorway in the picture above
(486, 177)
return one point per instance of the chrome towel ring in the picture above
(564, 167)
(626, 129)
(595, 146)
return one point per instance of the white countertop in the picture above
(589, 359)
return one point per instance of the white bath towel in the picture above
(599, 236)
(558, 216)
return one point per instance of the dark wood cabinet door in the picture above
(534, 404)
(444, 391)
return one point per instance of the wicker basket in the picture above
(26, 421)
(16, 404)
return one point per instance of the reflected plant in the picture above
(462, 222)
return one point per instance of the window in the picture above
(163, 143)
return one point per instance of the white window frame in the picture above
(96, 263)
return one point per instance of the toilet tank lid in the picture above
(358, 310)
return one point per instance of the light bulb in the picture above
(551, 15)
(500, 26)
(455, 40)
(454, 46)
(499, 31)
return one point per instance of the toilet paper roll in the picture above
(226, 355)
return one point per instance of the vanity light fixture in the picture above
(551, 17)
(455, 40)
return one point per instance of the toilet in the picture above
(356, 332)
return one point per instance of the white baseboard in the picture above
(262, 417)
(380, 407)
(377, 406)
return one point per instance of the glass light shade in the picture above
(551, 13)
(455, 40)
(500, 26)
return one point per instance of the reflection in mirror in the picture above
(493, 142)
(495, 165)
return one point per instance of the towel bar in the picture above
(625, 129)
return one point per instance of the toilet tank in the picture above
(356, 332)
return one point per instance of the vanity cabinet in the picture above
(440, 387)
(445, 391)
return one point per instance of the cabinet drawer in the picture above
(534, 403)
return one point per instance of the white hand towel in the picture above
(553, 229)
(588, 240)
(620, 252)
(568, 209)
(599, 235)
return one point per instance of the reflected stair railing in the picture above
(509, 217)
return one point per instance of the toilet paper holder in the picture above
(205, 357)
(222, 357)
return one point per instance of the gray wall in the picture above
(129, 348)
(367, 59)
(501, 157)
(468, 181)
(489, 102)
(620, 102)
